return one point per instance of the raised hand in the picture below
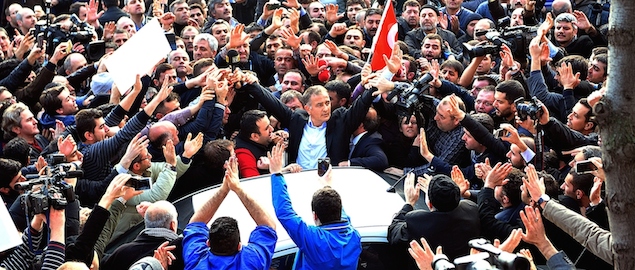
(422, 253)
(231, 174)
(567, 79)
(169, 152)
(191, 147)
(496, 177)
(410, 191)
(164, 254)
(534, 185)
(423, 146)
(91, 13)
(331, 15)
(454, 109)
(394, 63)
(275, 158)
(311, 65)
(512, 241)
(290, 38)
(237, 37)
(459, 180)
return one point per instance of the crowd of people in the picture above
(485, 107)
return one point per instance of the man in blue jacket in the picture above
(332, 243)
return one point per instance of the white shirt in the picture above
(312, 145)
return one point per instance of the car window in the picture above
(375, 256)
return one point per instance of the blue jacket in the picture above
(48, 121)
(331, 246)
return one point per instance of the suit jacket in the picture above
(368, 153)
(339, 127)
(452, 230)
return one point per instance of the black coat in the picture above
(368, 153)
(144, 245)
(339, 127)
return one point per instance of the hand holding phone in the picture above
(323, 165)
(585, 166)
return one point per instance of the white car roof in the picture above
(363, 193)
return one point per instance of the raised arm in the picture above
(257, 212)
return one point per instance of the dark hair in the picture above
(411, 3)
(373, 11)
(604, 59)
(7, 66)
(485, 120)
(589, 116)
(582, 181)
(312, 36)
(371, 123)
(433, 36)
(357, 2)
(161, 107)
(456, 65)
(200, 65)
(10, 168)
(49, 100)
(249, 123)
(161, 69)
(490, 80)
(110, 3)
(75, 7)
(327, 205)
(224, 236)
(512, 90)
(551, 187)
(590, 151)
(600, 50)
(85, 121)
(18, 149)
(342, 89)
(414, 65)
(216, 152)
(512, 188)
(253, 27)
(179, 2)
(578, 64)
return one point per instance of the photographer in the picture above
(10, 176)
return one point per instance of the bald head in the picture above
(561, 6)
(162, 131)
(161, 214)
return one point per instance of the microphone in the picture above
(232, 58)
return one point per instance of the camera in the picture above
(413, 99)
(50, 190)
(489, 258)
(273, 5)
(323, 165)
(139, 182)
(528, 109)
(517, 38)
(80, 32)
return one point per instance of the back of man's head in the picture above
(512, 188)
(579, 64)
(18, 149)
(582, 182)
(443, 193)
(110, 3)
(217, 151)
(327, 205)
(161, 214)
(9, 169)
(224, 236)
(485, 120)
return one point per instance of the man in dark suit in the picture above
(449, 223)
(161, 225)
(112, 12)
(315, 132)
(365, 146)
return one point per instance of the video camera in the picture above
(517, 38)
(80, 32)
(413, 99)
(49, 190)
(531, 108)
(490, 258)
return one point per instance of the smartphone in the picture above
(500, 133)
(32, 32)
(323, 165)
(139, 183)
(40, 40)
(273, 5)
(585, 166)
(171, 37)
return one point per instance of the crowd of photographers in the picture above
(484, 106)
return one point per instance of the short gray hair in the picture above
(160, 214)
(567, 17)
(211, 40)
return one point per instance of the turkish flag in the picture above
(385, 38)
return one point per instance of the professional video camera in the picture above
(49, 190)
(517, 38)
(79, 32)
(413, 99)
(531, 108)
(489, 258)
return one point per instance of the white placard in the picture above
(7, 229)
(138, 55)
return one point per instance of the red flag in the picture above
(385, 38)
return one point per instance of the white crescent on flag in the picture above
(392, 35)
